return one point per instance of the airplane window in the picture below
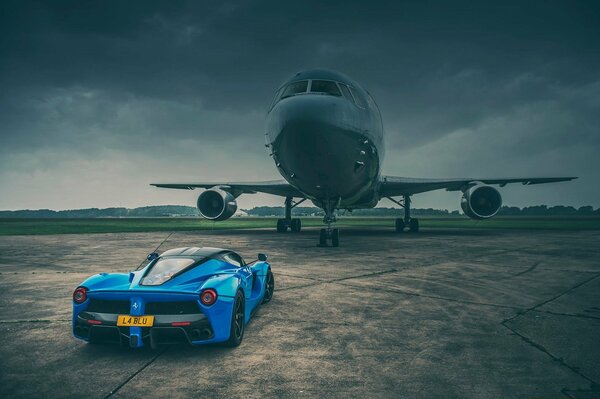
(346, 92)
(276, 98)
(325, 86)
(295, 88)
(358, 98)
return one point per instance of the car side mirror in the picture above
(262, 257)
(152, 256)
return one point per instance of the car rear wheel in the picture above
(236, 334)
(269, 287)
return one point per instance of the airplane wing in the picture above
(275, 187)
(393, 186)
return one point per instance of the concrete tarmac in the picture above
(440, 314)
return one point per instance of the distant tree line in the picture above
(278, 211)
(146, 211)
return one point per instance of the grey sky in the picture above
(101, 98)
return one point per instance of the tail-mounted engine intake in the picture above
(481, 201)
(216, 204)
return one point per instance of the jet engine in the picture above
(481, 201)
(216, 204)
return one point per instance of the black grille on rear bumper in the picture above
(187, 307)
(108, 306)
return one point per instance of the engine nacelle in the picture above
(481, 201)
(216, 204)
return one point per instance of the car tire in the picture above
(269, 287)
(236, 332)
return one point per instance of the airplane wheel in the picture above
(281, 225)
(323, 238)
(414, 225)
(400, 225)
(296, 225)
(335, 238)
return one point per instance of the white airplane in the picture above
(325, 134)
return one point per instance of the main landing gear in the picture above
(295, 225)
(401, 224)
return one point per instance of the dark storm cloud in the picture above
(500, 86)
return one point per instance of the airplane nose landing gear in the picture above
(329, 233)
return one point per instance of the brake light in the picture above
(208, 296)
(80, 295)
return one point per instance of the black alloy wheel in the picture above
(236, 334)
(269, 287)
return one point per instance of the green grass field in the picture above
(11, 226)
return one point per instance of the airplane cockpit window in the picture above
(325, 86)
(358, 98)
(346, 92)
(295, 88)
(276, 98)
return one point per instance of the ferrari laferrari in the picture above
(188, 295)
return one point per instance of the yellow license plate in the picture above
(135, 321)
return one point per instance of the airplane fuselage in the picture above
(325, 135)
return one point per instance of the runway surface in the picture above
(440, 314)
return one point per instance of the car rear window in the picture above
(164, 269)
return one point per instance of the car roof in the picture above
(204, 252)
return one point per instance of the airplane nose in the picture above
(318, 146)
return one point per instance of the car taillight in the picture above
(208, 296)
(80, 295)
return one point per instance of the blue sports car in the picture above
(192, 295)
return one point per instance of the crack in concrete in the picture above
(541, 347)
(532, 268)
(582, 316)
(132, 376)
(373, 274)
(553, 357)
(559, 295)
